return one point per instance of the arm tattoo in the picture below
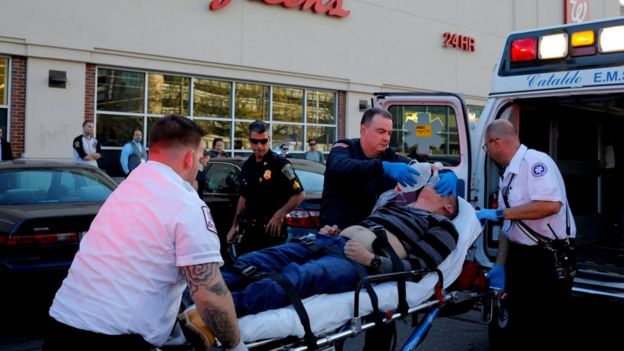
(203, 275)
(219, 322)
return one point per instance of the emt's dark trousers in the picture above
(62, 337)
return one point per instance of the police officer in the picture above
(533, 188)
(269, 190)
(86, 148)
(358, 171)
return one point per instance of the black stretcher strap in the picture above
(294, 298)
(382, 244)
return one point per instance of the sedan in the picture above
(220, 192)
(45, 209)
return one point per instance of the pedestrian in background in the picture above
(532, 195)
(284, 148)
(200, 179)
(86, 148)
(133, 153)
(269, 190)
(6, 154)
(217, 148)
(125, 284)
(313, 154)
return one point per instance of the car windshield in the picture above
(311, 181)
(37, 186)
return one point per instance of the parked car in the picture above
(45, 209)
(221, 194)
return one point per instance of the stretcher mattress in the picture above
(329, 311)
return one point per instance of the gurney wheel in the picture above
(498, 329)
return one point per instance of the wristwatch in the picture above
(376, 263)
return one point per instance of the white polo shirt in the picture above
(125, 278)
(536, 178)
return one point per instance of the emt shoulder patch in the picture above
(208, 218)
(288, 171)
(539, 169)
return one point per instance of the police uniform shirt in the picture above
(537, 178)
(82, 145)
(125, 279)
(353, 182)
(267, 185)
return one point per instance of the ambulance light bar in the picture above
(555, 46)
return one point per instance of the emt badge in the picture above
(267, 174)
(539, 169)
(208, 218)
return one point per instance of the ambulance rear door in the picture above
(431, 127)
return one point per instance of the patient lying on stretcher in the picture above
(400, 235)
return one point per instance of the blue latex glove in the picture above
(489, 214)
(447, 184)
(401, 172)
(496, 277)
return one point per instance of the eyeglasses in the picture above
(312, 144)
(285, 148)
(485, 146)
(259, 141)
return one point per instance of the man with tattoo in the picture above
(153, 233)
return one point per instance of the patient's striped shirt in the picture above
(427, 237)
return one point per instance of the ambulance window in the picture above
(426, 133)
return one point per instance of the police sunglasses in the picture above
(259, 141)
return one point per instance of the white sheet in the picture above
(329, 311)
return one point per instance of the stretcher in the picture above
(333, 317)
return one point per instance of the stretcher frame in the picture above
(358, 324)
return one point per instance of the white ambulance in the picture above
(563, 89)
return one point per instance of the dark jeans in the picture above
(62, 337)
(539, 303)
(309, 272)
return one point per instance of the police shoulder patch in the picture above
(288, 171)
(539, 169)
(208, 218)
(77, 144)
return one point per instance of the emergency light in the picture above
(611, 39)
(523, 50)
(553, 46)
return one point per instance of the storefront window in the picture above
(216, 129)
(291, 134)
(287, 104)
(4, 100)
(121, 91)
(4, 74)
(127, 100)
(168, 94)
(321, 107)
(211, 98)
(426, 133)
(116, 130)
(325, 137)
(252, 101)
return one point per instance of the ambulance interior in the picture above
(583, 135)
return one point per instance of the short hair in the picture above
(258, 127)
(311, 140)
(85, 123)
(174, 130)
(282, 146)
(368, 115)
(215, 141)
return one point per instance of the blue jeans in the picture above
(310, 273)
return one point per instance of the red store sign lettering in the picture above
(458, 41)
(330, 8)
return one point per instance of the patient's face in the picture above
(431, 201)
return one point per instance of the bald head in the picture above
(501, 141)
(502, 129)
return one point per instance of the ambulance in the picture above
(563, 89)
